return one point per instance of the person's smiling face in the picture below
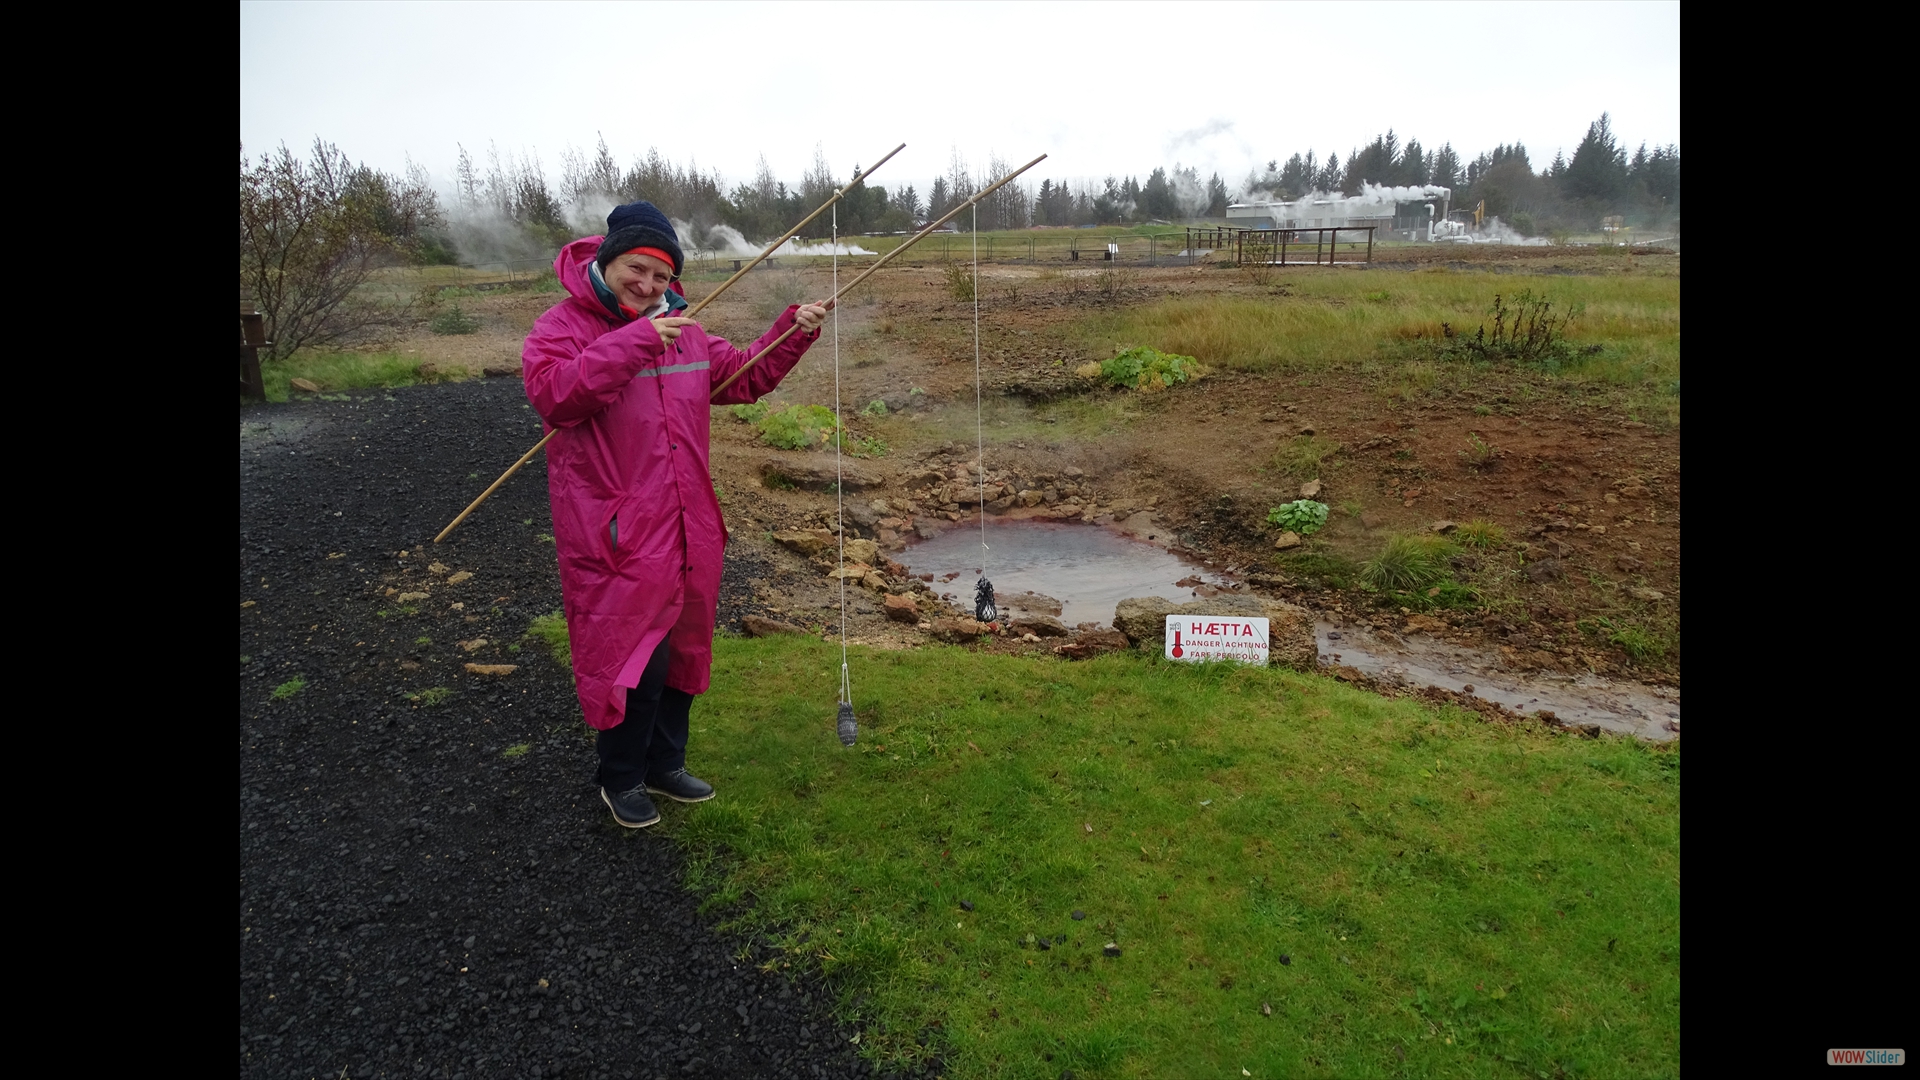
(637, 281)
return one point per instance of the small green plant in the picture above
(1479, 453)
(454, 321)
(874, 408)
(1409, 562)
(431, 696)
(1639, 645)
(423, 640)
(1304, 456)
(289, 688)
(1379, 297)
(1303, 516)
(552, 630)
(867, 447)
(960, 281)
(516, 750)
(799, 427)
(1480, 533)
(546, 538)
(1319, 569)
(1528, 332)
(752, 412)
(1143, 368)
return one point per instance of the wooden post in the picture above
(253, 337)
(1369, 246)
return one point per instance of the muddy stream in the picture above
(1089, 569)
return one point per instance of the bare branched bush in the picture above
(313, 232)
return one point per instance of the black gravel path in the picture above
(429, 884)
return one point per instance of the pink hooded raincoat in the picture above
(633, 419)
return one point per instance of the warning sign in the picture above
(1217, 637)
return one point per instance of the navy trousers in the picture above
(652, 740)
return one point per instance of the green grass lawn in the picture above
(1302, 879)
(337, 372)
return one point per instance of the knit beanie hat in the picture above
(639, 225)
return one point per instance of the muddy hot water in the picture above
(1089, 569)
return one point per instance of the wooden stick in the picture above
(791, 233)
(475, 505)
(691, 312)
(878, 263)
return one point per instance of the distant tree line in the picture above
(507, 207)
(1572, 194)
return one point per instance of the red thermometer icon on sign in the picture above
(1177, 650)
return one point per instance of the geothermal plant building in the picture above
(1410, 213)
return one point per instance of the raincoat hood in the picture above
(579, 272)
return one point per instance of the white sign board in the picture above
(1217, 637)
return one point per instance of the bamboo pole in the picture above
(791, 233)
(691, 312)
(878, 263)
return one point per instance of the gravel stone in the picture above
(414, 901)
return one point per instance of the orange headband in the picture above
(653, 251)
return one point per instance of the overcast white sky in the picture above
(1104, 88)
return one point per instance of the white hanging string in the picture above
(839, 486)
(979, 427)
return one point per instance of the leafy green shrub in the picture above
(798, 427)
(1303, 516)
(1410, 561)
(289, 688)
(874, 408)
(431, 696)
(1143, 368)
(552, 630)
(454, 321)
(751, 412)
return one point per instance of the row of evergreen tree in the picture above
(508, 208)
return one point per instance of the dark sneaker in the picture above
(681, 786)
(631, 808)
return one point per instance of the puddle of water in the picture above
(1087, 568)
(1624, 707)
(1090, 569)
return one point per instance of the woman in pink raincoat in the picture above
(635, 521)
